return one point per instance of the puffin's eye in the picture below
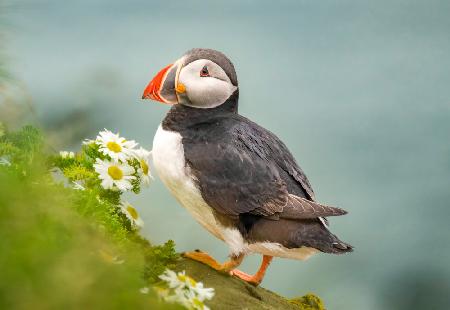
(204, 72)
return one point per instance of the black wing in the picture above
(268, 147)
(240, 168)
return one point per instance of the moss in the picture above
(308, 302)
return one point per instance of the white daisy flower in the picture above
(88, 141)
(78, 186)
(4, 162)
(197, 304)
(114, 146)
(144, 290)
(114, 174)
(181, 296)
(65, 154)
(185, 290)
(197, 295)
(171, 278)
(132, 214)
(143, 156)
(162, 292)
(203, 293)
(186, 280)
(175, 295)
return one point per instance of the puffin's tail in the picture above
(340, 247)
(336, 246)
(321, 238)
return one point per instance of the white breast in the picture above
(169, 161)
(168, 158)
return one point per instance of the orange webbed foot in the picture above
(257, 278)
(251, 279)
(204, 258)
(207, 259)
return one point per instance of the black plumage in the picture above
(250, 179)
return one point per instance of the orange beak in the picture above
(152, 91)
(162, 86)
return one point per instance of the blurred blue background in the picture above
(359, 91)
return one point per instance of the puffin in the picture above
(236, 178)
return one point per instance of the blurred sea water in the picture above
(359, 91)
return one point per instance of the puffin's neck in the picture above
(180, 116)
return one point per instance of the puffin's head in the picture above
(202, 78)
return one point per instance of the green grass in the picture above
(63, 248)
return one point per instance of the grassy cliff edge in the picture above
(233, 293)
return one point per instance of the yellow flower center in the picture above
(114, 146)
(198, 303)
(192, 281)
(115, 173)
(187, 279)
(133, 212)
(144, 167)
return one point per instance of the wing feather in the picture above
(242, 171)
(301, 208)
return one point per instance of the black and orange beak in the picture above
(162, 87)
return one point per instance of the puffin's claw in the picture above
(251, 279)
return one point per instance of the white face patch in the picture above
(204, 91)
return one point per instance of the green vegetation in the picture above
(63, 247)
(308, 302)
